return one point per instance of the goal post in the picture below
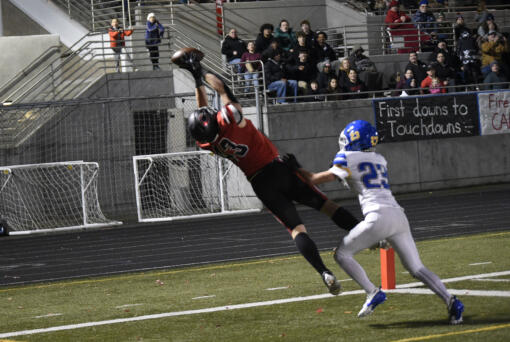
(193, 184)
(51, 196)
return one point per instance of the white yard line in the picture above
(49, 315)
(127, 306)
(266, 303)
(494, 280)
(203, 297)
(277, 288)
(481, 263)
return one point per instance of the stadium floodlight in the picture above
(190, 185)
(50, 196)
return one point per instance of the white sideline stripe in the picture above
(495, 280)
(235, 307)
(452, 280)
(203, 297)
(481, 263)
(477, 293)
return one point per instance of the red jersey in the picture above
(246, 147)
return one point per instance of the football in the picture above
(180, 56)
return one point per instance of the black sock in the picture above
(344, 219)
(309, 250)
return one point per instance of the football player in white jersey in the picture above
(364, 171)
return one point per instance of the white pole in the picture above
(220, 173)
(83, 204)
(1, 22)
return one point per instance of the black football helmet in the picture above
(202, 125)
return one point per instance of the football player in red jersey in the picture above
(228, 134)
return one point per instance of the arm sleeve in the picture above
(340, 167)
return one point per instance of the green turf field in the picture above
(176, 293)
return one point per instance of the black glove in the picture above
(290, 160)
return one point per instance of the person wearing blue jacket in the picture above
(153, 34)
(426, 22)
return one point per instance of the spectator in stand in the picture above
(435, 86)
(343, 71)
(487, 26)
(273, 49)
(445, 71)
(353, 86)
(325, 76)
(418, 67)
(481, 12)
(325, 53)
(233, 48)
(468, 52)
(300, 46)
(459, 26)
(380, 7)
(333, 91)
(450, 56)
(285, 36)
(251, 70)
(408, 85)
(315, 93)
(310, 36)
(399, 24)
(444, 29)
(424, 19)
(427, 82)
(438, 5)
(277, 79)
(303, 72)
(493, 49)
(495, 76)
(367, 71)
(264, 38)
(153, 34)
(117, 42)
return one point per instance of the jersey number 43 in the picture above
(374, 176)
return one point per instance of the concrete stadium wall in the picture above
(19, 52)
(311, 131)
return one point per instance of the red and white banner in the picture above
(219, 17)
(494, 108)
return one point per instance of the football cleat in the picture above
(331, 282)
(372, 301)
(455, 309)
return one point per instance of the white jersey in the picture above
(366, 174)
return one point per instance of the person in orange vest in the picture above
(117, 42)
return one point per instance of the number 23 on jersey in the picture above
(374, 176)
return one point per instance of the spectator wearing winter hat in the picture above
(459, 26)
(424, 19)
(495, 76)
(487, 26)
(153, 34)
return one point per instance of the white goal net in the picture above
(190, 184)
(51, 196)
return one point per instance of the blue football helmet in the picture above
(358, 135)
